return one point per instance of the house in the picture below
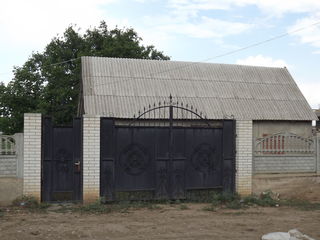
(263, 100)
(169, 129)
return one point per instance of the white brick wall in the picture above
(244, 157)
(91, 158)
(32, 155)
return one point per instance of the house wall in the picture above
(301, 128)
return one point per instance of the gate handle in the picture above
(77, 166)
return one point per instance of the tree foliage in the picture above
(49, 82)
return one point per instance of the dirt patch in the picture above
(165, 222)
(289, 186)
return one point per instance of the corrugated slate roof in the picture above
(120, 87)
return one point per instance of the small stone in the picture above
(35, 233)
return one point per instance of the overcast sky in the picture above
(186, 30)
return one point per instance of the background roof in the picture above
(117, 87)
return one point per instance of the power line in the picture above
(207, 59)
(241, 49)
(53, 64)
(224, 54)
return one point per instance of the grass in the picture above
(30, 203)
(234, 201)
(183, 207)
(223, 200)
(123, 207)
(265, 199)
(1, 212)
(210, 208)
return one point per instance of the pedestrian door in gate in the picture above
(61, 161)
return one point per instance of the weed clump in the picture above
(183, 207)
(25, 201)
(234, 201)
(265, 199)
(29, 203)
(99, 207)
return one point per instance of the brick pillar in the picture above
(91, 158)
(32, 155)
(244, 157)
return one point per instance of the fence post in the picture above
(244, 157)
(91, 158)
(18, 137)
(32, 155)
(317, 144)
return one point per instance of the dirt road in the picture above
(167, 222)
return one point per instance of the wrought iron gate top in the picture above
(171, 105)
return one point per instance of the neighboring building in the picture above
(317, 112)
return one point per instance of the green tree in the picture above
(49, 82)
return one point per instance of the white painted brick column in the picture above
(32, 155)
(244, 157)
(91, 158)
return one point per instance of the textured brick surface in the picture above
(91, 158)
(244, 157)
(32, 155)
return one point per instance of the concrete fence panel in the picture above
(285, 153)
